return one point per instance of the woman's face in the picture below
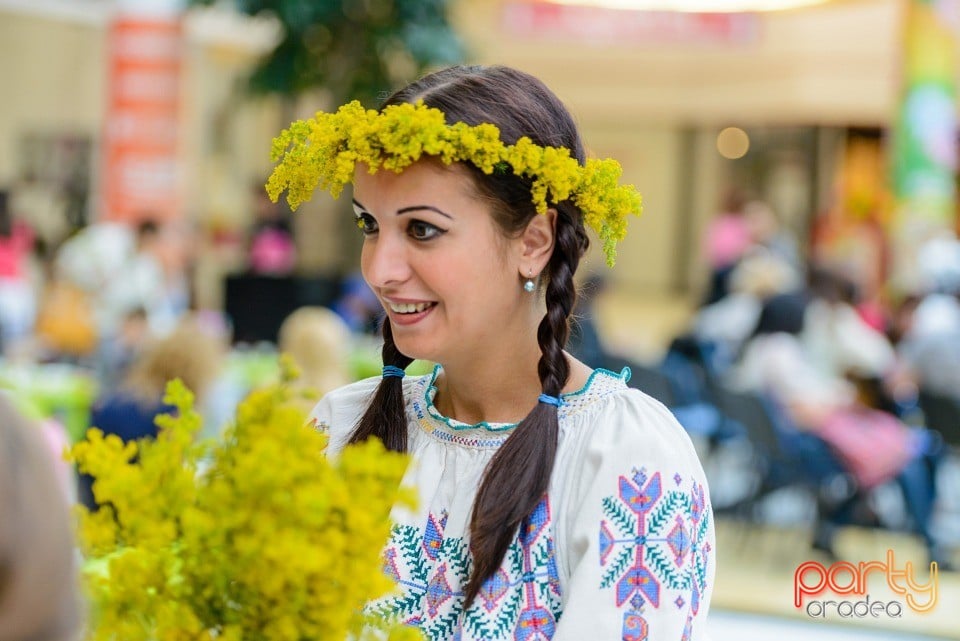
(446, 276)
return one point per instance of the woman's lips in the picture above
(407, 318)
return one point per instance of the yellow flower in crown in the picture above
(324, 151)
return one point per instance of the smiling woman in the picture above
(554, 501)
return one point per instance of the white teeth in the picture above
(409, 308)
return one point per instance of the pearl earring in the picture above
(529, 285)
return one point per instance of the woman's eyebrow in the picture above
(407, 210)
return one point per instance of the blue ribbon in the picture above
(392, 370)
(549, 400)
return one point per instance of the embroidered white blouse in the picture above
(621, 547)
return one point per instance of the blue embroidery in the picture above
(653, 539)
(521, 601)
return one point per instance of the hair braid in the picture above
(518, 475)
(561, 297)
(385, 417)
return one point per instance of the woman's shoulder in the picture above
(340, 409)
(348, 398)
(351, 393)
(606, 395)
(600, 388)
(609, 415)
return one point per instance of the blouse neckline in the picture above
(486, 434)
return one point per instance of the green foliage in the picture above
(354, 48)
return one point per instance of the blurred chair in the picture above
(699, 417)
(783, 457)
(783, 454)
(651, 382)
(942, 413)
(695, 366)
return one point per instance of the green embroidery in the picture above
(432, 569)
(617, 568)
(666, 569)
(666, 508)
(614, 510)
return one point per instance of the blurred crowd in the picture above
(94, 323)
(833, 388)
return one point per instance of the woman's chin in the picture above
(415, 350)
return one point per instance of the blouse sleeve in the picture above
(635, 537)
(338, 411)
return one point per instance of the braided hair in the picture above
(517, 477)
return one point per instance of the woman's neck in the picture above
(497, 390)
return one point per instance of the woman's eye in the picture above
(367, 224)
(420, 230)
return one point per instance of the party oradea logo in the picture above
(816, 585)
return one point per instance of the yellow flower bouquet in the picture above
(256, 537)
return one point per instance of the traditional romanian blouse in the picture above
(621, 547)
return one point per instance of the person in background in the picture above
(767, 231)
(929, 340)
(39, 592)
(94, 256)
(727, 239)
(67, 328)
(129, 411)
(930, 346)
(272, 251)
(537, 476)
(153, 278)
(729, 322)
(358, 305)
(319, 342)
(837, 339)
(873, 445)
(119, 353)
(18, 304)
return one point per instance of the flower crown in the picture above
(324, 151)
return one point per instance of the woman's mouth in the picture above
(409, 308)
(409, 313)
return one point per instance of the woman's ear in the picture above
(537, 240)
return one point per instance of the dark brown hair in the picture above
(518, 475)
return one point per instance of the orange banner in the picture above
(141, 172)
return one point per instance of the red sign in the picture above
(141, 167)
(626, 26)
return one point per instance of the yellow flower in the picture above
(324, 151)
(267, 542)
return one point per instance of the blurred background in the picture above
(790, 291)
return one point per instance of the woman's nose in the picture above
(384, 261)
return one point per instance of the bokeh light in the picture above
(733, 143)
